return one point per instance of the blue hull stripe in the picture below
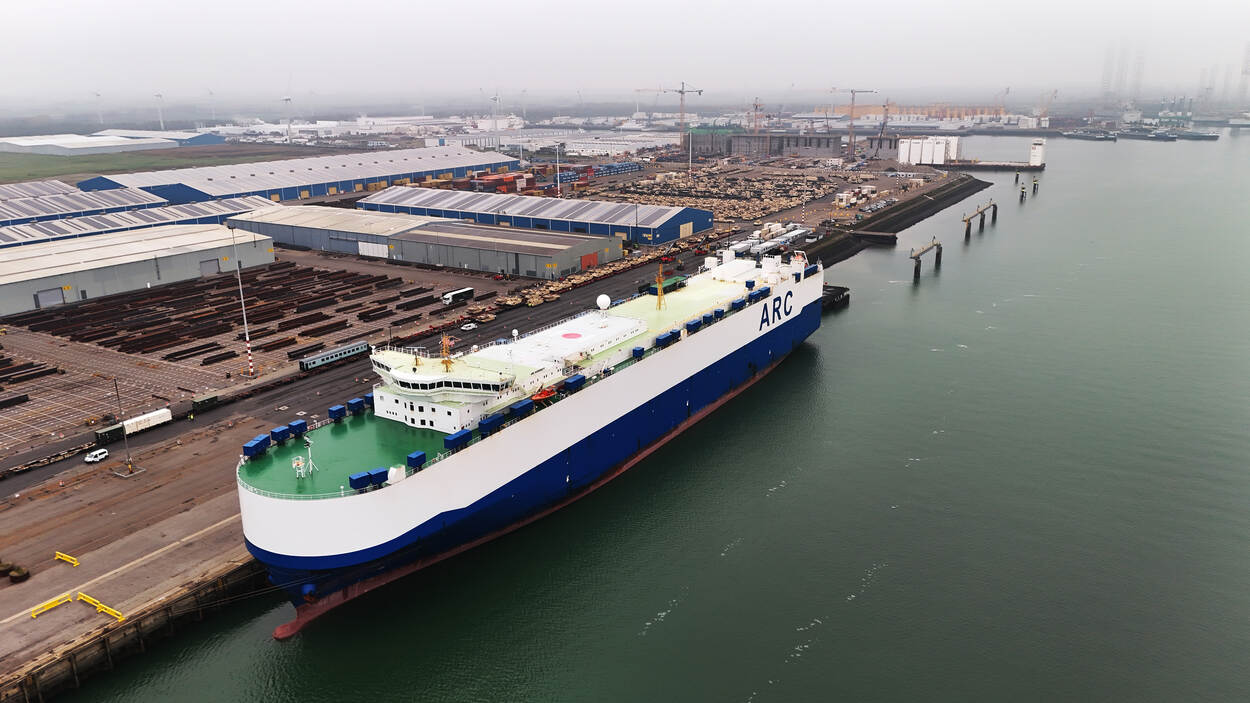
(567, 473)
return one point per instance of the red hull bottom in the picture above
(308, 612)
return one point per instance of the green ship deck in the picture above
(356, 443)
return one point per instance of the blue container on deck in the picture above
(574, 382)
(262, 440)
(639, 352)
(753, 296)
(337, 412)
(416, 460)
(457, 440)
(718, 313)
(708, 319)
(750, 285)
(253, 448)
(693, 326)
(809, 270)
(521, 408)
(369, 399)
(356, 406)
(359, 480)
(765, 291)
(298, 427)
(379, 475)
(280, 433)
(490, 424)
(738, 304)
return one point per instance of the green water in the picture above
(1024, 479)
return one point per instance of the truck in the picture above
(455, 296)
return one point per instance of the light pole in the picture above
(130, 466)
(238, 274)
(559, 191)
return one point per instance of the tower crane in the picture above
(682, 92)
(1000, 101)
(1044, 110)
(850, 147)
(756, 107)
(885, 118)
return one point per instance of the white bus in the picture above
(456, 296)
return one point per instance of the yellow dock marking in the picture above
(131, 564)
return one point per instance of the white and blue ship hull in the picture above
(324, 552)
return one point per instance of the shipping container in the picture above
(147, 420)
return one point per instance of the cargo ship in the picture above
(1092, 135)
(1156, 135)
(450, 450)
(1196, 135)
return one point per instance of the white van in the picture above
(97, 455)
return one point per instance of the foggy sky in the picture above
(127, 50)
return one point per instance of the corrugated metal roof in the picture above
(293, 173)
(623, 214)
(102, 251)
(77, 141)
(99, 224)
(334, 218)
(146, 133)
(464, 234)
(34, 189)
(64, 204)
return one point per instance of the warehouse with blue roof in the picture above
(641, 224)
(293, 180)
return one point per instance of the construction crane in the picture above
(885, 118)
(1044, 109)
(850, 146)
(1000, 101)
(756, 108)
(682, 92)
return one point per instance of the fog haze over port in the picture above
(413, 55)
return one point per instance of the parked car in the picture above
(97, 455)
(468, 326)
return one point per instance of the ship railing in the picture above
(415, 351)
(594, 374)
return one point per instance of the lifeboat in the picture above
(543, 394)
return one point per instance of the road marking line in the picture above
(129, 565)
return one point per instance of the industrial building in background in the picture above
(53, 273)
(933, 151)
(79, 144)
(212, 212)
(318, 177)
(432, 241)
(179, 138)
(642, 224)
